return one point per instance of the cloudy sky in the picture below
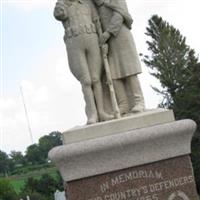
(33, 56)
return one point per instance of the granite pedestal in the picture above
(141, 157)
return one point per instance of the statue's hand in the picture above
(104, 38)
(104, 48)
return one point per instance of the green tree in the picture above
(57, 138)
(31, 185)
(4, 163)
(47, 186)
(196, 160)
(47, 142)
(17, 158)
(176, 65)
(59, 182)
(6, 191)
(34, 154)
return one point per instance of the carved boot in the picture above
(103, 116)
(98, 93)
(121, 96)
(90, 108)
(136, 91)
(92, 120)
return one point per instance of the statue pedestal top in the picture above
(134, 121)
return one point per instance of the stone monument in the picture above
(124, 152)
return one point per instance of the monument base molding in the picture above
(149, 163)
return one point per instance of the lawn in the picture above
(18, 182)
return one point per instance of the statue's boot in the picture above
(139, 107)
(92, 120)
(136, 91)
(121, 96)
(98, 93)
(90, 108)
(105, 116)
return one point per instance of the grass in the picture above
(18, 185)
(18, 181)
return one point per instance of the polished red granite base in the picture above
(171, 179)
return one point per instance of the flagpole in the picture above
(27, 116)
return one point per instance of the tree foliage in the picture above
(196, 160)
(4, 163)
(47, 185)
(44, 187)
(33, 154)
(38, 153)
(35, 159)
(31, 185)
(47, 142)
(176, 66)
(17, 158)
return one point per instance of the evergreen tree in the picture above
(176, 65)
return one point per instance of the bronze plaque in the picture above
(165, 180)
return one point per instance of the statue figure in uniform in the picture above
(78, 18)
(122, 56)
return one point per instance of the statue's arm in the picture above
(60, 11)
(116, 23)
(98, 27)
(95, 18)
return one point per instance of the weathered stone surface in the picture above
(149, 163)
(84, 35)
(123, 150)
(165, 180)
(136, 121)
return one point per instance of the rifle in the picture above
(104, 50)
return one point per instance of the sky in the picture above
(33, 57)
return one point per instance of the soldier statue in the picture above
(78, 18)
(123, 58)
(89, 25)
